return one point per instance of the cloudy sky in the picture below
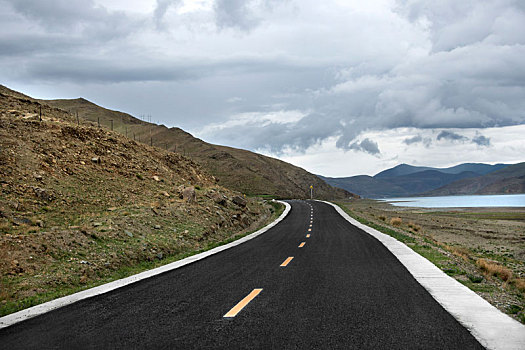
(338, 87)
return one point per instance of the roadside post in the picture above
(311, 191)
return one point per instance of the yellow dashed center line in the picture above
(287, 261)
(308, 236)
(302, 244)
(309, 229)
(237, 308)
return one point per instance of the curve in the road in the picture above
(343, 289)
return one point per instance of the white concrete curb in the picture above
(88, 293)
(492, 328)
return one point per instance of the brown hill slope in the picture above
(237, 169)
(81, 205)
(509, 180)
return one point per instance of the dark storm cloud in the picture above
(270, 136)
(367, 146)
(451, 136)
(417, 139)
(68, 17)
(481, 140)
(411, 140)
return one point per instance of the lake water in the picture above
(507, 200)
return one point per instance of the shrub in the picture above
(396, 221)
(514, 309)
(519, 283)
(382, 218)
(415, 227)
(475, 279)
(494, 269)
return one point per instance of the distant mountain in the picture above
(407, 180)
(236, 169)
(426, 180)
(405, 169)
(508, 180)
(366, 186)
(400, 170)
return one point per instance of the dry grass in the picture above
(396, 221)
(519, 283)
(415, 227)
(494, 269)
(461, 252)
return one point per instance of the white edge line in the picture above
(33, 311)
(491, 327)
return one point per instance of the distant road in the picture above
(336, 288)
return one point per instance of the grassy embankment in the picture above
(484, 250)
(164, 240)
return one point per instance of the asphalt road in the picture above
(342, 289)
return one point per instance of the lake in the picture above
(506, 200)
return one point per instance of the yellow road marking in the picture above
(237, 308)
(310, 225)
(308, 236)
(287, 261)
(309, 229)
(302, 244)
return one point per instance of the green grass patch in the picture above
(477, 287)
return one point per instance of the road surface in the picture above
(312, 281)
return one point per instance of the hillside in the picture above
(237, 169)
(81, 205)
(405, 180)
(509, 180)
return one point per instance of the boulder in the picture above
(188, 194)
(219, 199)
(238, 200)
(43, 193)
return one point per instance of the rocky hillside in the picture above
(237, 169)
(80, 204)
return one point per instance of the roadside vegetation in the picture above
(484, 250)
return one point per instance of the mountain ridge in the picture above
(406, 180)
